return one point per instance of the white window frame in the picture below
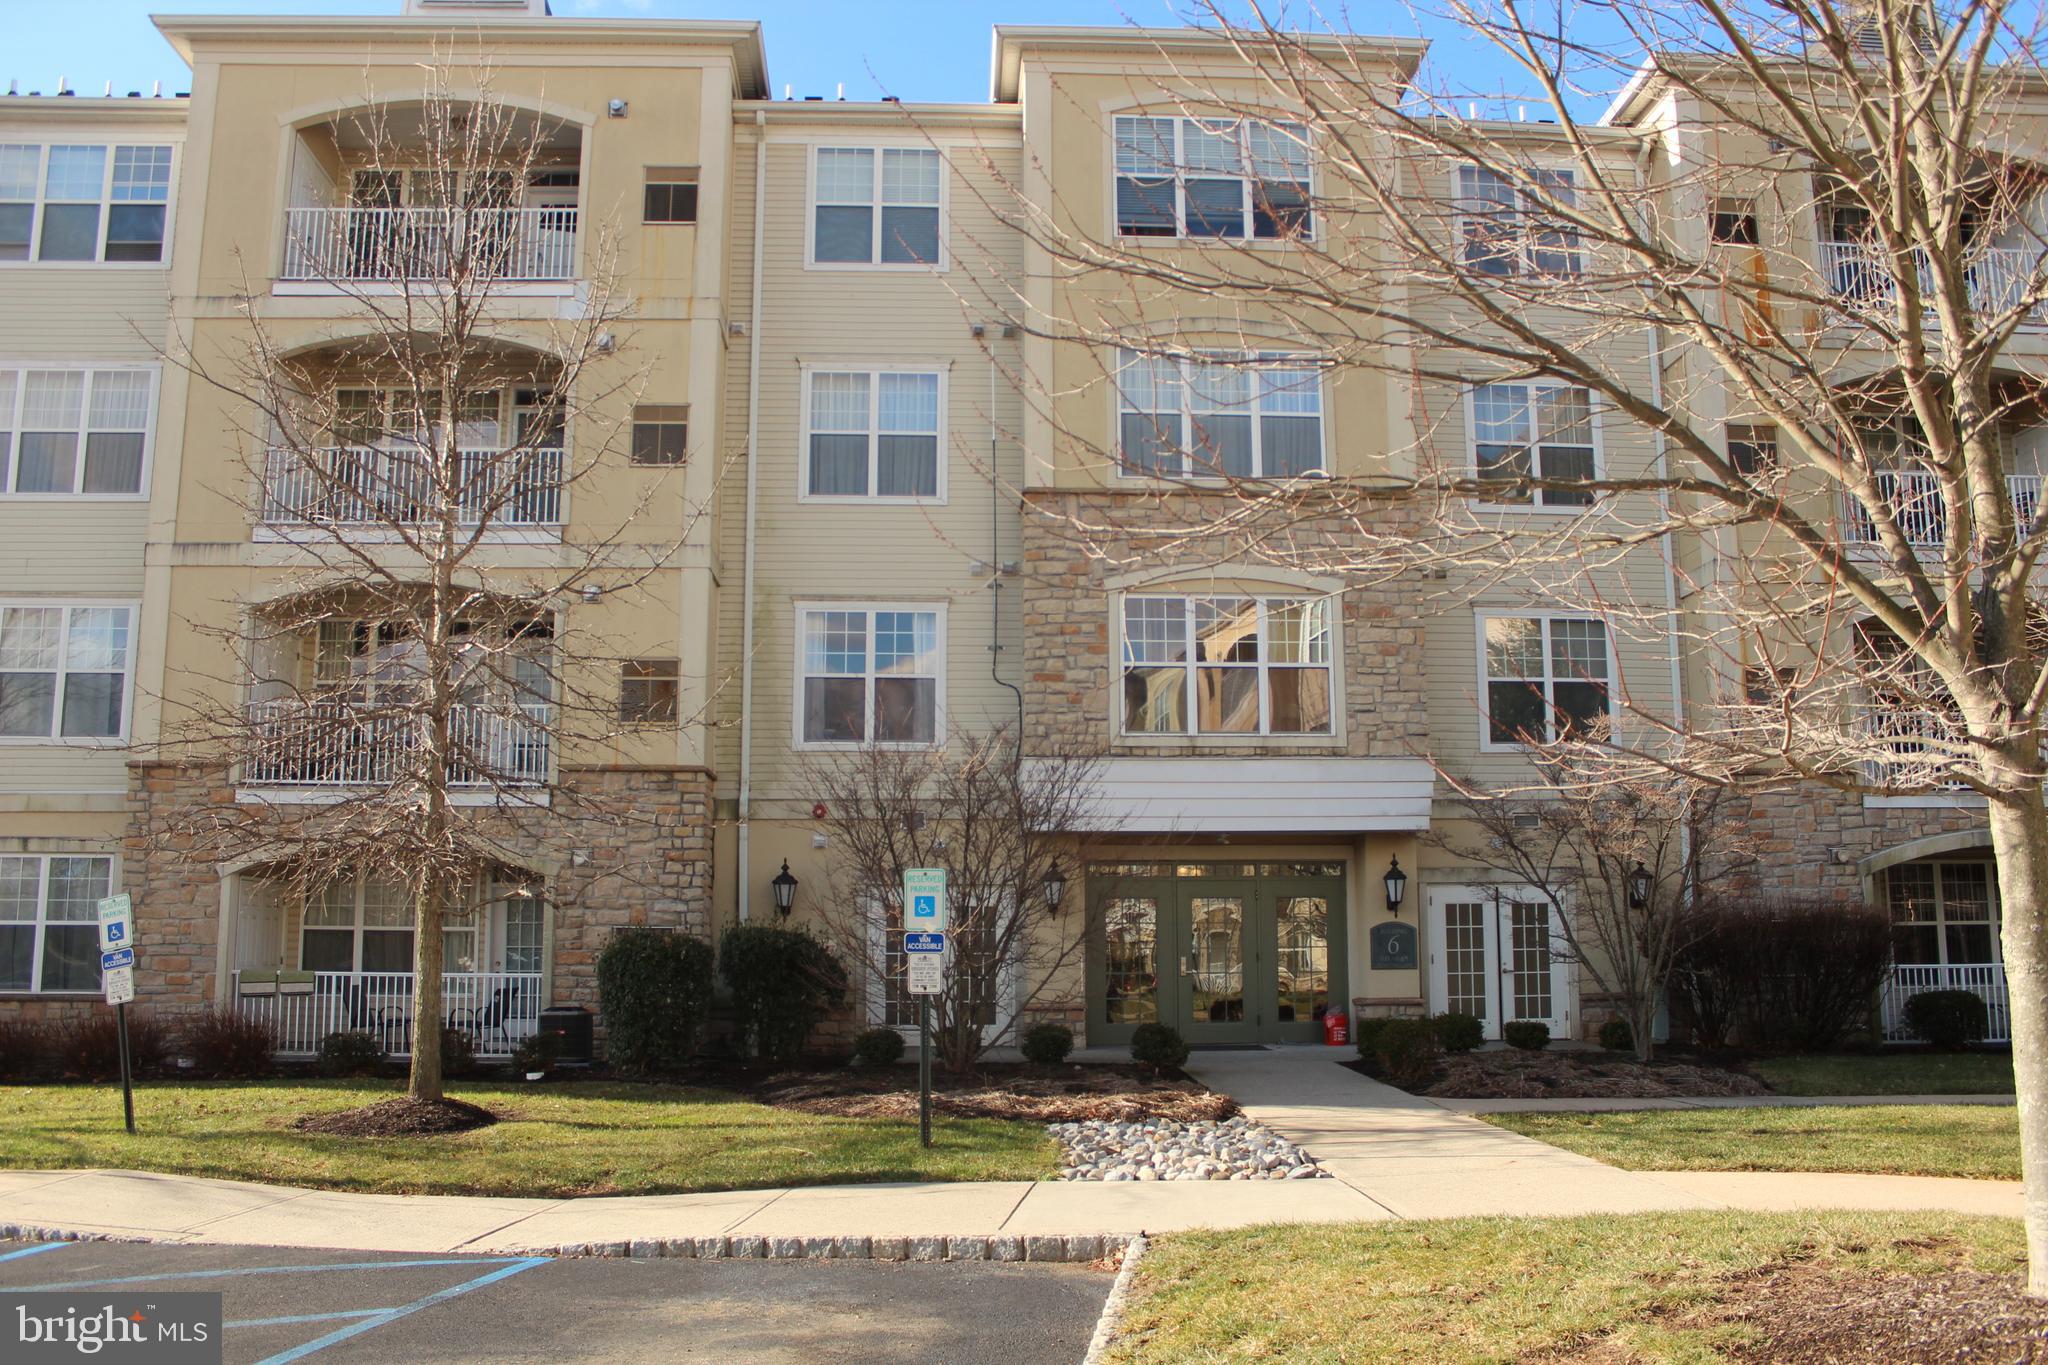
(1525, 248)
(10, 423)
(106, 205)
(1535, 506)
(874, 375)
(67, 605)
(479, 910)
(1125, 357)
(42, 921)
(1489, 745)
(803, 610)
(1265, 735)
(1994, 908)
(1181, 175)
(876, 205)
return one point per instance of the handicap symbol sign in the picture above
(924, 907)
(117, 931)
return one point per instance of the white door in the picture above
(1496, 953)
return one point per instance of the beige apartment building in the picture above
(854, 454)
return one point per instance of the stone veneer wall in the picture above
(645, 834)
(1070, 647)
(1809, 838)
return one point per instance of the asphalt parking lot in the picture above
(289, 1305)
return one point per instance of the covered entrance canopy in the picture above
(1224, 952)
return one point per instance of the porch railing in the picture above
(516, 245)
(340, 744)
(383, 485)
(496, 1009)
(1907, 980)
(1916, 504)
(1998, 277)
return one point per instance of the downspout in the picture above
(746, 801)
(995, 564)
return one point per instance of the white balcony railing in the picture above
(496, 1009)
(342, 744)
(1920, 746)
(1917, 506)
(515, 245)
(1859, 274)
(386, 485)
(1909, 979)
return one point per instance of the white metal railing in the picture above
(1998, 277)
(296, 743)
(1907, 980)
(1916, 504)
(355, 244)
(1920, 746)
(496, 1009)
(392, 485)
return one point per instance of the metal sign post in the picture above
(924, 949)
(117, 977)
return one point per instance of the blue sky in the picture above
(917, 49)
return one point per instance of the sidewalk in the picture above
(1622, 1106)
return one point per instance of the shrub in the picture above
(89, 1046)
(1617, 1036)
(1408, 1052)
(1948, 1019)
(1158, 1046)
(1531, 1035)
(536, 1052)
(1046, 1044)
(458, 1053)
(783, 984)
(226, 1045)
(1366, 1033)
(1457, 1032)
(24, 1051)
(878, 1047)
(655, 989)
(1781, 973)
(351, 1053)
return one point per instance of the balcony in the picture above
(1861, 276)
(524, 245)
(1914, 497)
(496, 1009)
(336, 745)
(378, 486)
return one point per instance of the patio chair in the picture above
(488, 1019)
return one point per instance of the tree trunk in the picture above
(2019, 839)
(423, 1081)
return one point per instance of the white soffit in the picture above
(1263, 795)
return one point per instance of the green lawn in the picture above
(1890, 1073)
(556, 1140)
(1636, 1288)
(1980, 1141)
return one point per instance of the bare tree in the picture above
(1800, 256)
(415, 476)
(1624, 854)
(1004, 831)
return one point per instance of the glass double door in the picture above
(1222, 959)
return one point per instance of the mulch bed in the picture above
(1560, 1075)
(1041, 1094)
(403, 1117)
(1810, 1314)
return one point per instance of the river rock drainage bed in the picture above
(1168, 1149)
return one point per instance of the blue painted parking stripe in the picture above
(305, 1317)
(282, 1270)
(355, 1329)
(35, 1250)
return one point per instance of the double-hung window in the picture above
(1539, 432)
(83, 202)
(63, 671)
(1197, 177)
(1547, 677)
(871, 434)
(1232, 416)
(365, 924)
(49, 921)
(871, 674)
(74, 432)
(1944, 913)
(1226, 665)
(1514, 225)
(876, 206)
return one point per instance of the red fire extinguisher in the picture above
(1336, 1028)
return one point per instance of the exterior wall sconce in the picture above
(1639, 885)
(1397, 886)
(1055, 887)
(784, 886)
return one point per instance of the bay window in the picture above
(1212, 178)
(1226, 665)
(1547, 677)
(870, 674)
(1220, 415)
(49, 921)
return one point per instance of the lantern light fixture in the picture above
(784, 886)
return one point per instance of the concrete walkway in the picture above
(1624, 1106)
(1393, 1155)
